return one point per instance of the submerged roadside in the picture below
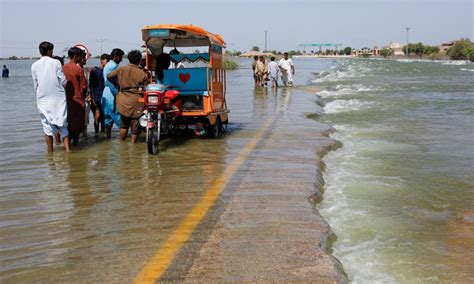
(265, 226)
(110, 207)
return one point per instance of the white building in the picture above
(397, 49)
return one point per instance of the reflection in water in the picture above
(79, 179)
(260, 102)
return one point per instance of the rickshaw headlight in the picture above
(142, 120)
(152, 99)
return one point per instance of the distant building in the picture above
(364, 50)
(443, 48)
(376, 51)
(397, 49)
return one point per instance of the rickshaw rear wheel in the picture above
(224, 126)
(215, 130)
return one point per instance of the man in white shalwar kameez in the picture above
(49, 82)
(287, 70)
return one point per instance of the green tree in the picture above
(461, 50)
(385, 52)
(469, 52)
(348, 50)
(255, 48)
(419, 49)
(230, 64)
(294, 52)
(429, 50)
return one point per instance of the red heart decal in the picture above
(184, 77)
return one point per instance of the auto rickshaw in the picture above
(196, 73)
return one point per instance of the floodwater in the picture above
(399, 194)
(98, 214)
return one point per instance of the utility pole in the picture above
(408, 29)
(101, 40)
(265, 41)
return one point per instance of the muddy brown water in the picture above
(98, 214)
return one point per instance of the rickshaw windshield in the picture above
(171, 47)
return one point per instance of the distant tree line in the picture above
(420, 49)
(18, 58)
(463, 49)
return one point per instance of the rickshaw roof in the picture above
(193, 35)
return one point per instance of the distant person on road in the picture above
(273, 71)
(76, 93)
(109, 109)
(265, 74)
(254, 65)
(260, 71)
(287, 69)
(5, 72)
(96, 88)
(131, 80)
(49, 82)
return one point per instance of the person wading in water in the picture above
(49, 82)
(76, 93)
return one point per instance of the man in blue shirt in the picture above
(111, 114)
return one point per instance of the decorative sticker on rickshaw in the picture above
(159, 33)
(184, 77)
(176, 58)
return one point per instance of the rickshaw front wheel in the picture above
(152, 140)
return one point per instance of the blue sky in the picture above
(242, 23)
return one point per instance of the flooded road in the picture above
(102, 213)
(398, 194)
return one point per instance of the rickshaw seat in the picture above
(189, 81)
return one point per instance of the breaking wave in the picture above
(338, 106)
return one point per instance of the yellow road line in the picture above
(160, 261)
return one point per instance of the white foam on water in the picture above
(362, 88)
(406, 60)
(342, 127)
(467, 69)
(337, 75)
(335, 93)
(361, 260)
(338, 106)
(444, 62)
(345, 173)
(339, 90)
(456, 62)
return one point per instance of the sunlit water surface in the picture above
(399, 194)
